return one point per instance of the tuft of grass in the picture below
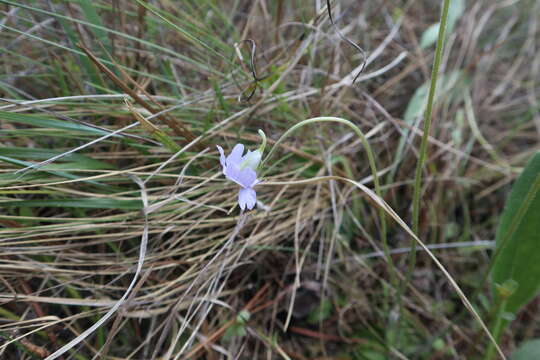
(121, 239)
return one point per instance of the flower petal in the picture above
(235, 158)
(247, 198)
(222, 157)
(246, 177)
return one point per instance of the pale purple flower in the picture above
(242, 170)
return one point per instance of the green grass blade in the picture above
(27, 164)
(44, 122)
(93, 18)
(82, 203)
(77, 160)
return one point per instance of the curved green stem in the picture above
(428, 119)
(372, 165)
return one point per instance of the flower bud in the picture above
(252, 160)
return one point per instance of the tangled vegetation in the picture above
(120, 238)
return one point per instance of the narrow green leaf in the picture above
(98, 29)
(518, 239)
(76, 160)
(12, 177)
(92, 16)
(429, 37)
(73, 51)
(449, 84)
(84, 61)
(149, 44)
(85, 203)
(44, 122)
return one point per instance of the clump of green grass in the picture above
(109, 178)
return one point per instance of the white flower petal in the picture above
(222, 157)
(247, 198)
(245, 177)
(235, 158)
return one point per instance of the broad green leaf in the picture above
(455, 10)
(518, 239)
(529, 350)
(450, 84)
(417, 104)
(429, 37)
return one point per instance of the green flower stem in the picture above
(496, 329)
(427, 127)
(420, 165)
(422, 157)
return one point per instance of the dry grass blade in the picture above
(142, 253)
(177, 127)
(383, 205)
(309, 267)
